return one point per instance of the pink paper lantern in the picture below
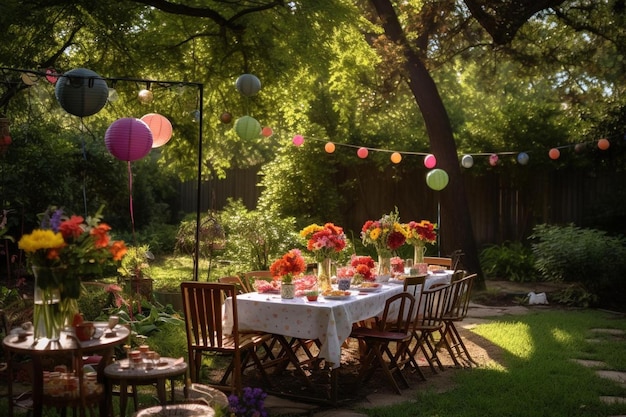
(298, 140)
(430, 161)
(267, 131)
(128, 139)
(493, 159)
(160, 127)
(362, 153)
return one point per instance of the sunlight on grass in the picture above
(500, 333)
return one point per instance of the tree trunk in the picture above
(455, 230)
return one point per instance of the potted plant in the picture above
(135, 271)
(311, 295)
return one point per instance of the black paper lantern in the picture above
(81, 92)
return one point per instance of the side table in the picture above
(118, 373)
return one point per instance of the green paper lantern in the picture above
(437, 179)
(247, 128)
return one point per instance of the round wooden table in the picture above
(67, 346)
(120, 374)
(177, 410)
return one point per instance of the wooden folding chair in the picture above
(203, 309)
(251, 276)
(242, 287)
(457, 311)
(393, 327)
(434, 260)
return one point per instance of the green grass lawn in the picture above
(536, 376)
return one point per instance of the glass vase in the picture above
(418, 259)
(48, 319)
(384, 266)
(323, 275)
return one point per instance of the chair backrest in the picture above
(252, 276)
(458, 274)
(460, 297)
(413, 285)
(202, 306)
(398, 313)
(237, 281)
(434, 302)
(434, 260)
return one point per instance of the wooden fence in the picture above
(504, 207)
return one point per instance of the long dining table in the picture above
(326, 320)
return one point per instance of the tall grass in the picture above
(536, 376)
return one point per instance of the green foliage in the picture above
(511, 261)
(587, 256)
(255, 238)
(136, 263)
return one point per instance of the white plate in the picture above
(367, 289)
(337, 297)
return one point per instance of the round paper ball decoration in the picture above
(467, 161)
(51, 75)
(580, 147)
(430, 161)
(248, 84)
(81, 92)
(493, 159)
(554, 153)
(437, 179)
(128, 139)
(329, 147)
(160, 127)
(522, 158)
(145, 96)
(396, 157)
(603, 144)
(247, 128)
(226, 118)
(267, 131)
(297, 140)
(362, 153)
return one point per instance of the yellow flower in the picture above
(375, 233)
(310, 229)
(41, 239)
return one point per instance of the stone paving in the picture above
(477, 314)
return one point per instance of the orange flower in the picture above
(101, 233)
(72, 227)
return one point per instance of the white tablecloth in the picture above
(330, 321)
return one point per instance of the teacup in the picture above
(85, 331)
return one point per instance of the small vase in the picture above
(384, 265)
(287, 291)
(323, 275)
(48, 319)
(344, 283)
(418, 259)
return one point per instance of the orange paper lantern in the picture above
(396, 157)
(329, 147)
(604, 144)
(554, 153)
(160, 127)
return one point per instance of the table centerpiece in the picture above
(325, 242)
(386, 235)
(285, 269)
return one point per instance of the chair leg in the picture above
(457, 342)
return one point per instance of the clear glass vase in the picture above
(384, 265)
(48, 319)
(323, 275)
(418, 259)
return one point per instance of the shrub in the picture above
(511, 261)
(590, 257)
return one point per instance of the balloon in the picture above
(226, 118)
(522, 158)
(396, 157)
(329, 147)
(604, 144)
(247, 128)
(145, 96)
(298, 140)
(248, 84)
(81, 92)
(437, 179)
(362, 153)
(267, 132)
(554, 153)
(160, 127)
(29, 78)
(467, 161)
(430, 161)
(128, 139)
(493, 160)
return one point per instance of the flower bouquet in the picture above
(363, 269)
(62, 252)
(326, 242)
(286, 268)
(418, 235)
(386, 235)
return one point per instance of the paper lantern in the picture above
(467, 161)
(580, 147)
(247, 128)
(248, 84)
(603, 144)
(81, 92)
(128, 139)
(554, 153)
(522, 158)
(430, 161)
(226, 118)
(362, 153)
(493, 160)
(267, 132)
(160, 127)
(437, 179)
(396, 157)
(145, 96)
(298, 140)
(329, 147)
(113, 96)
(29, 78)
(51, 76)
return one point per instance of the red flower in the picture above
(290, 264)
(101, 233)
(72, 227)
(395, 240)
